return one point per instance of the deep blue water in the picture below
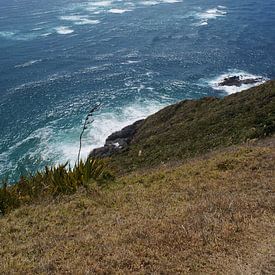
(58, 58)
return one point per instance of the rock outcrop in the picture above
(238, 81)
(117, 141)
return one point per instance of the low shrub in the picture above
(53, 181)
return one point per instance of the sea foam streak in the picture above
(118, 11)
(27, 64)
(79, 20)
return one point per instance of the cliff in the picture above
(193, 127)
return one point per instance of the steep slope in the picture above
(192, 127)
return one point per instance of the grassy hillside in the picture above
(203, 205)
(211, 215)
(192, 127)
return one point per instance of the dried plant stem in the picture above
(88, 121)
(80, 144)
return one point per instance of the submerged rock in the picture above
(117, 141)
(238, 81)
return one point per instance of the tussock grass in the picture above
(211, 215)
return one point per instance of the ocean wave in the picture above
(104, 124)
(64, 30)
(7, 34)
(86, 10)
(81, 13)
(53, 145)
(214, 83)
(210, 14)
(117, 7)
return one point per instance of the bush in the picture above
(53, 181)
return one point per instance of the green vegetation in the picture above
(193, 127)
(52, 182)
(178, 132)
(213, 213)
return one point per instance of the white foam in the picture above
(171, 1)
(54, 145)
(27, 64)
(214, 83)
(155, 2)
(118, 6)
(79, 20)
(101, 3)
(46, 34)
(210, 14)
(149, 3)
(118, 11)
(104, 124)
(64, 30)
(213, 13)
(129, 62)
(37, 29)
(7, 34)
(86, 21)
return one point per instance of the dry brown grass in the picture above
(208, 216)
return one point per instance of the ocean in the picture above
(60, 58)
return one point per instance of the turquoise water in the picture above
(58, 58)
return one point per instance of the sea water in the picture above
(59, 58)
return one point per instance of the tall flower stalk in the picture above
(89, 120)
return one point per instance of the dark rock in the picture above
(105, 151)
(125, 135)
(117, 141)
(237, 81)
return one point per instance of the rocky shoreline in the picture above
(238, 81)
(117, 142)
